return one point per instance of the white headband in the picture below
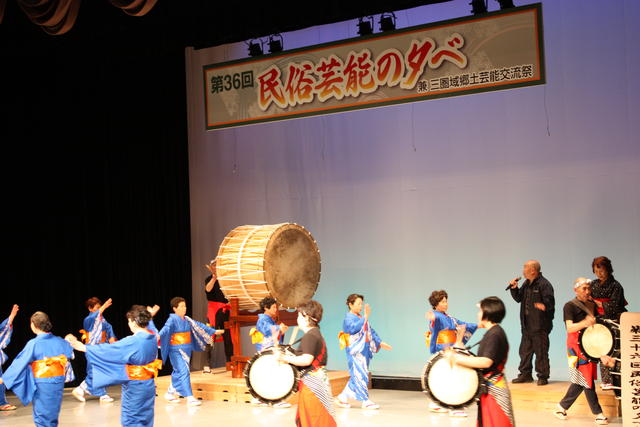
(581, 282)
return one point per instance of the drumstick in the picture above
(293, 335)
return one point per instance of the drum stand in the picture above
(238, 318)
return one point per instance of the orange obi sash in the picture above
(446, 337)
(49, 367)
(180, 338)
(343, 339)
(144, 372)
(85, 336)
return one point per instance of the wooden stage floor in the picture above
(219, 386)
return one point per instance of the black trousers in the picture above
(574, 391)
(536, 342)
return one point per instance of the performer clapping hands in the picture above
(360, 342)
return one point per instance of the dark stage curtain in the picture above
(95, 173)
(57, 17)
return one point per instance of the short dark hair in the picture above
(266, 303)
(41, 321)
(493, 309)
(313, 310)
(436, 297)
(602, 262)
(91, 302)
(140, 315)
(353, 297)
(175, 301)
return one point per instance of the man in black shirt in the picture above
(537, 307)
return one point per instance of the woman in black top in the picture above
(494, 406)
(315, 401)
(608, 295)
(217, 313)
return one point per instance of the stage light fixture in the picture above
(255, 47)
(276, 43)
(365, 25)
(478, 7)
(387, 21)
(506, 4)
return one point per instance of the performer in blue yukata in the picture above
(442, 335)
(96, 331)
(268, 333)
(37, 375)
(6, 329)
(178, 338)
(131, 362)
(360, 341)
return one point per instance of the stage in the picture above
(397, 408)
(220, 386)
(532, 406)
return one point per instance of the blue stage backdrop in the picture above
(451, 194)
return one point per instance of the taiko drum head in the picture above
(597, 340)
(292, 265)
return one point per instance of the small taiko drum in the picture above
(280, 260)
(598, 340)
(268, 379)
(451, 387)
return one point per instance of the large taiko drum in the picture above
(281, 260)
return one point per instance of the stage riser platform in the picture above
(220, 386)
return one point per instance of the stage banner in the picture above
(498, 50)
(630, 372)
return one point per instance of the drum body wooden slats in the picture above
(281, 260)
(598, 340)
(269, 380)
(451, 387)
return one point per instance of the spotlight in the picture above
(478, 7)
(506, 4)
(255, 47)
(365, 25)
(387, 21)
(275, 43)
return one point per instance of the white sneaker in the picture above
(192, 401)
(560, 413)
(342, 403)
(106, 398)
(437, 409)
(370, 405)
(78, 393)
(171, 398)
(606, 386)
(258, 402)
(282, 405)
(602, 420)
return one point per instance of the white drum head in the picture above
(271, 379)
(452, 385)
(597, 341)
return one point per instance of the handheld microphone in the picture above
(517, 279)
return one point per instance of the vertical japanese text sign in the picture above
(630, 372)
(499, 50)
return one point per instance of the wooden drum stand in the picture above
(238, 318)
